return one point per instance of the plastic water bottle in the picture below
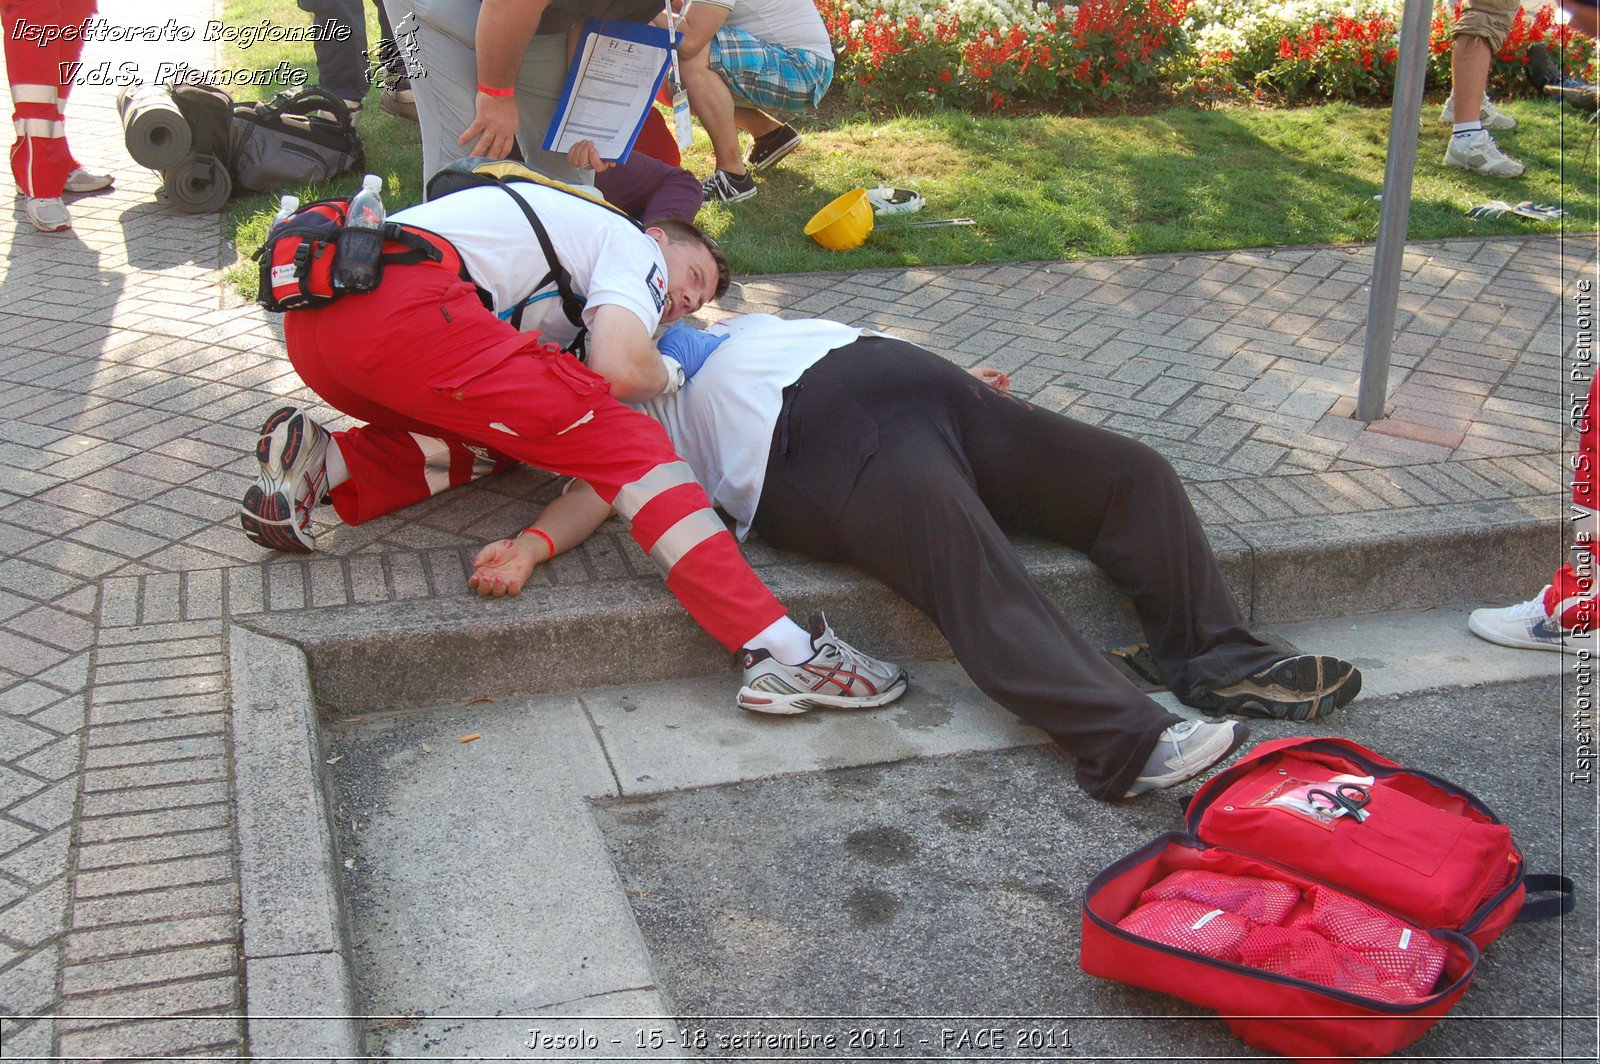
(286, 206)
(357, 267)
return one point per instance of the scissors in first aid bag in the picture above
(1349, 798)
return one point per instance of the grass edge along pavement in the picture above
(1045, 186)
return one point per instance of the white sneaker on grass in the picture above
(1477, 151)
(1185, 750)
(1491, 116)
(837, 675)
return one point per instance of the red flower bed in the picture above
(1104, 50)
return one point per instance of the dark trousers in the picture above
(890, 458)
(341, 65)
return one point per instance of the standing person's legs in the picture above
(1565, 616)
(444, 78)
(1480, 30)
(342, 57)
(40, 158)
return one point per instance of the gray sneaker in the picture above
(1303, 687)
(837, 675)
(1477, 151)
(1491, 116)
(1185, 750)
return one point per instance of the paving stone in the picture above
(189, 996)
(38, 918)
(29, 988)
(41, 860)
(110, 942)
(51, 808)
(65, 717)
(35, 1041)
(155, 1038)
(18, 738)
(56, 761)
(24, 699)
(151, 799)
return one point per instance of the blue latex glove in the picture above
(688, 347)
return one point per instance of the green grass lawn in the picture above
(1051, 187)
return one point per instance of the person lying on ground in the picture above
(451, 389)
(863, 448)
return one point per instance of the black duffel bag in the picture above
(299, 137)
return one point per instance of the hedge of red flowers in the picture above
(1106, 50)
(1100, 51)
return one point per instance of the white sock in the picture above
(1467, 127)
(784, 640)
(338, 472)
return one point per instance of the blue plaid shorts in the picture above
(779, 80)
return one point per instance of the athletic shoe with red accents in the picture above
(837, 675)
(293, 452)
(1560, 618)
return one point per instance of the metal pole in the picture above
(1404, 116)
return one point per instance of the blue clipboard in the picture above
(637, 32)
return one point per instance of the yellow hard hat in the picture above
(843, 224)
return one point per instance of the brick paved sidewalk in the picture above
(134, 385)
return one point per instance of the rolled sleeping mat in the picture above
(198, 184)
(157, 134)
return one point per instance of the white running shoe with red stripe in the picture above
(837, 676)
(293, 454)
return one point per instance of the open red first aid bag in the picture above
(1328, 902)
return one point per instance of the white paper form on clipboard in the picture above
(615, 74)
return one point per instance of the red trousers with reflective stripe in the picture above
(40, 158)
(421, 357)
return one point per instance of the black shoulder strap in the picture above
(1546, 908)
(571, 303)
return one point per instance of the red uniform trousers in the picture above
(450, 391)
(40, 158)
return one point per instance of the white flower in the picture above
(976, 14)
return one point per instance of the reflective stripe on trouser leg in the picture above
(43, 128)
(684, 537)
(633, 497)
(670, 518)
(450, 463)
(45, 94)
(435, 462)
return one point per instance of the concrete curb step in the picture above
(568, 638)
(481, 880)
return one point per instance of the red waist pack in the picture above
(298, 255)
(1327, 901)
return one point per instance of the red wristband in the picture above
(487, 91)
(542, 535)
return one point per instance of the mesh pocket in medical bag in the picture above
(1203, 929)
(1266, 901)
(1302, 954)
(1405, 955)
